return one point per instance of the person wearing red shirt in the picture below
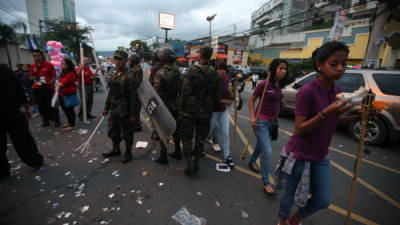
(43, 75)
(66, 86)
(89, 81)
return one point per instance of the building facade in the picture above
(45, 10)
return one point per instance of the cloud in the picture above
(117, 22)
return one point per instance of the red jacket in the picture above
(46, 70)
(88, 75)
(68, 84)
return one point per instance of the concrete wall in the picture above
(17, 55)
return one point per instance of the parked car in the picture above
(384, 83)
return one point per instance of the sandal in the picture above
(254, 168)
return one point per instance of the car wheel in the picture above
(375, 133)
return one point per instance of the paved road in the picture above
(142, 192)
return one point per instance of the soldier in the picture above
(201, 90)
(156, 65)
(122, 103)
(137, 73)
(167, 83)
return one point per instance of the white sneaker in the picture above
(216, 147)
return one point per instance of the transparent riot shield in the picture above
(158, 113)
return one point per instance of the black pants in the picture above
(89, 99)
(43, 100)
(69, 111)
(16, 125)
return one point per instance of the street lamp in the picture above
(209, 19)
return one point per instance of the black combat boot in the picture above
(128, 152)
(162, 159)
(189, 171)
(177, 153)
(196, 164)
(115, 151)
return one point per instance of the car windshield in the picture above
(388, 83)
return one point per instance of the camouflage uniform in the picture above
(122, 104)
(156, 66)
(137, 75)
(167, 83)
(200, 92)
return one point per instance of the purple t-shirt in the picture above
(220, 107)
(311, 99)
(271, 103)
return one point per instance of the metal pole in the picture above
(209, 32)
(166, 35)
(83, 85)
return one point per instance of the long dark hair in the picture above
(70, 67)
(272, 69)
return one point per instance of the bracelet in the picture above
(322, 115)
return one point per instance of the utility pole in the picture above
(209, 19)
(371, 59)
(40, 28)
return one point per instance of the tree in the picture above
(69, 34)
(7, 36)
(141, 48)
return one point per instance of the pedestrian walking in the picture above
(254, 80)
(167, 83)
(15, 124)
(67, 90)
(122, 104)
(200, 91)
(220, 116)
(89, 82)
(266, 121)
(317, 115)
(44, 75)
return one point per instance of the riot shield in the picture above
(158, 113)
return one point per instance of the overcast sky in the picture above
(117, 22)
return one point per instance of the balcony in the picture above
(263, 19)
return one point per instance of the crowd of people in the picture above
(199, 102)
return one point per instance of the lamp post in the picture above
(209, 19)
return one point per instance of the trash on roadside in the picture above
(217, 204)
(67, 214)
(244, 214)
(144, 173)
(105, 160)
(148, 211)
(55, 205)
(199, 193)
(115, 173)
(60, 215)
(160, 184)
(141, 144)
(67, 173)
(222, 167)
(111, 195)
(185, 218)
(82, 131)
(60, 196)
(84, 208)
(105, 209)
(51, 220)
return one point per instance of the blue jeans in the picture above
(221, 120)
(263, 146)
(320, 183)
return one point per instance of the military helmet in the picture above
(120, 55)
(167, 55)
(134, 58)
(154, 55)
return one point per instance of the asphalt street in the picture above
(79, 188)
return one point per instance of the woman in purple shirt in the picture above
(267, 118)
(317, 114)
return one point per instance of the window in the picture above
(305, 81)
(351, 82)
(388, 83)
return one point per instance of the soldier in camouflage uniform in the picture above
(156, 65)
(167, 83)
(122, 103)
(201, 90)
(136, 71)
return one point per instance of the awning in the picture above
(221, 56)
(194, 55)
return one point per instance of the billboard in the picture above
(166, 20)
